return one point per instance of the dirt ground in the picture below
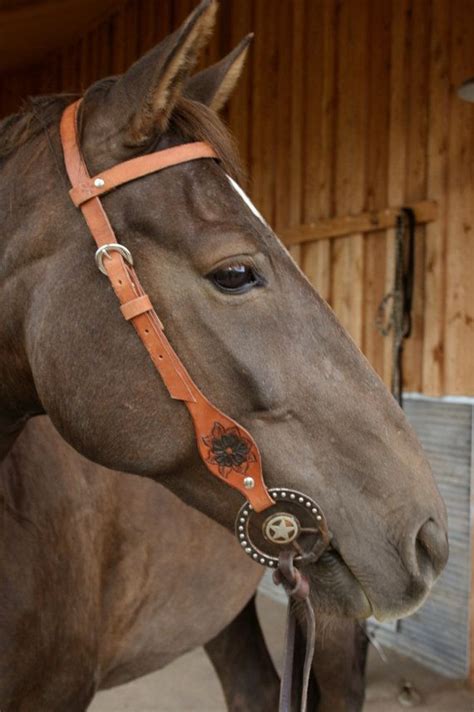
(190, 684)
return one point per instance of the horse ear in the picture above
(163, 71)
(214, 85)
(137, 107)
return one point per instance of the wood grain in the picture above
(352, 84)
(319, 131)
(434, 273)
(346, 108)
(459, 328)
(375, 221)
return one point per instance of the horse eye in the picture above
(235, 278)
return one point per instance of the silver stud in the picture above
(283, 494)
(250, 506)
(242, 519)
(249, 482)
(245, 513)
(262, 561)
(248, 550)
(308, 504)
(99, 182)
(243, 543)
(300, 499)
(319, 517)
(241, 528)
(314, 510)
(241, 535)
(292, 496)
(271, 563)
(255, 556)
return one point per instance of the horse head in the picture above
(245, 321)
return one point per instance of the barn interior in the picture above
(348, 111)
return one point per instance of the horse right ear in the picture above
(134, 109)
(214, 85)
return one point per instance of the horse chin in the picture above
(335, 591)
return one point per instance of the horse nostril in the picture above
(431, 547)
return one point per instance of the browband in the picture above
(227, 449)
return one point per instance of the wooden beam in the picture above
(425, 211)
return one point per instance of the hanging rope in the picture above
(394, 312)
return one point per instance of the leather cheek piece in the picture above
(135, 307)
(210, 423)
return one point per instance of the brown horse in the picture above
(106, 577)
(254, 335)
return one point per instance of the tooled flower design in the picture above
(229, 450)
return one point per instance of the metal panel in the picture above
(438, 633)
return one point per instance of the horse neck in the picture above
(24, 178)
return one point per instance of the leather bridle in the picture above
(227, 449)
(135, 305)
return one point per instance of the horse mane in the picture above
(36, 114)
(190, 120)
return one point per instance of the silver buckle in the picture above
(104, 250)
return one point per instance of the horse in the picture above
(99, 587)
(253, 333)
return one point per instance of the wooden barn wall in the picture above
(345, 106)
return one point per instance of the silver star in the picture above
(282, 530)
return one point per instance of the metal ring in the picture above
(104, 250)
(281, 495)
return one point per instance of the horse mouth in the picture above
(335, 589)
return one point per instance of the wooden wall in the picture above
(346, 106)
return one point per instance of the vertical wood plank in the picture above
(130, 32)
(347, 263)
(118, 32)
(433, 341)
(416, 176)
(297, 113)
(459, 330)
(263, 110)
(283, 159)
(397, 139)
(376, 187)
(105, 50)
(149, 33)
(319, 137)
(239, 111)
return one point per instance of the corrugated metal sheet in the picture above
(437, 635)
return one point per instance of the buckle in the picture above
(104, 250)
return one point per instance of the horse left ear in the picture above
(214, 85)
(122, 114)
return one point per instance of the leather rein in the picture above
(227, 449)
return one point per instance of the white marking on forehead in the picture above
(246, 200)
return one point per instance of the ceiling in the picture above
(29, 29)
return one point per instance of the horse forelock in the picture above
(35, 115)
(190, 120)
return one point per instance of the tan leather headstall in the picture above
(228, 449)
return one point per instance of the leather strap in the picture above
(210, 424)
(137, 306)
(296, 586)
(137, 168)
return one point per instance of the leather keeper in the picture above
(135, 307)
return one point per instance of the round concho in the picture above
(281, 528)
(294, 517)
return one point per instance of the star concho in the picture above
(263, 536)
(281, 528)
